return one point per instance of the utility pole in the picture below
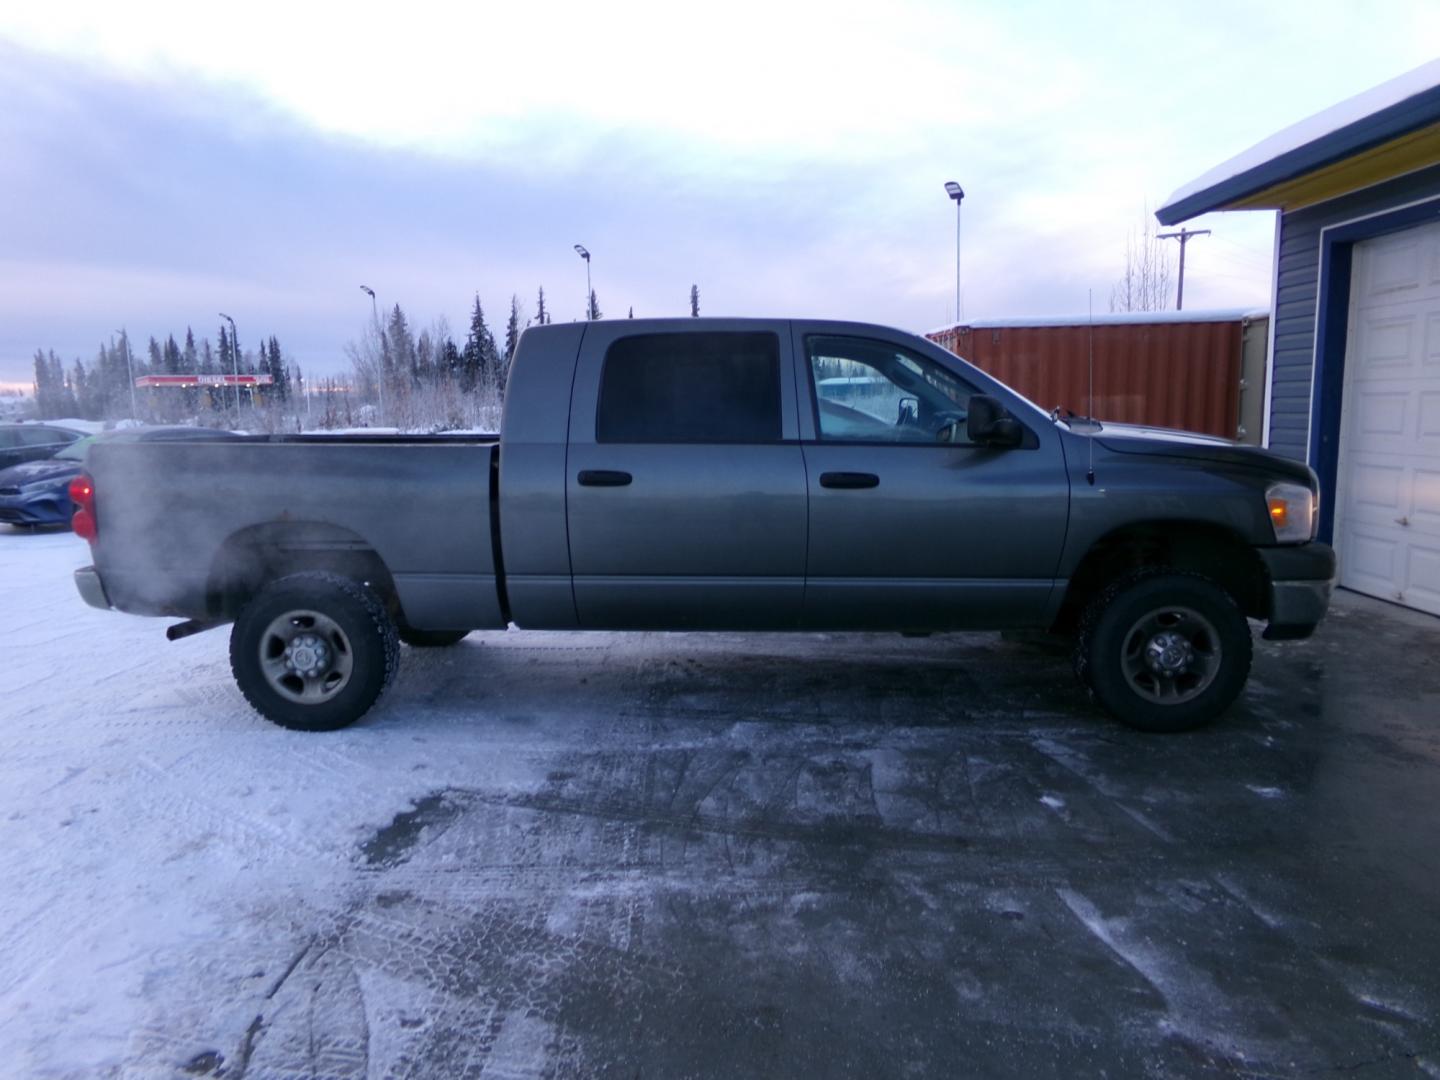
(1183, 236)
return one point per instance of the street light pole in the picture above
(380, 333)
(956, 192)
(589, 291)
(130, 368)
(234, 363)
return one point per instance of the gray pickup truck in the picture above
(718, 474)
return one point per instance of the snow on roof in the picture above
(1117, 318)
(1314, 128)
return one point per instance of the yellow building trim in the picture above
(1397, 157)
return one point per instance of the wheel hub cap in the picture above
(307, 655)
(1168, 654)
(1171, 655)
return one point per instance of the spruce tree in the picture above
(44, 396)
(541, 316)
(84, 386)
(189, 359)
(694, 301)
(512, 341)
(100, 379)
(118, 382)
(273, 365)
(481, 357)
(402, 345)
(450, 363)
(594, 307)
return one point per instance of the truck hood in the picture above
(1187, 445)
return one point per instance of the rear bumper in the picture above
(92, 589)
(1301, 581)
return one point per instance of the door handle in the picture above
(603, 478)
(849, 480)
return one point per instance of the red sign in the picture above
(204, 380)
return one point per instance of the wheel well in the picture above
(254, 557)
(1216, 552)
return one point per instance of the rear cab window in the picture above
(712, 387)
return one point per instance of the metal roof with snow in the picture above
(1388, 130)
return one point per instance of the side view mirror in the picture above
(988, 424)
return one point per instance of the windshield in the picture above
(76, 450)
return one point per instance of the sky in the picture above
(160, 164)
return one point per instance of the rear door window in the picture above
(44, 437)
(718, 387)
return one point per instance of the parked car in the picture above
(33, 442)
(688, 475)
(38, 492)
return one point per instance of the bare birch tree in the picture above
(1146, 284)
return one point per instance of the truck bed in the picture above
(183, 527)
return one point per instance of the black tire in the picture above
(338, 627)
(1164, 650)
(431, 639)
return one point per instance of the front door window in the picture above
(872, 392)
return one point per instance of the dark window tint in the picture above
(702, 387)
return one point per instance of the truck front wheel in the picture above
(1164, 651)
(313, 651)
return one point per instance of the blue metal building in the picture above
(1353, 382)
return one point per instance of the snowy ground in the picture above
(639, 855)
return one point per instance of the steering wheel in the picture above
(947, 425)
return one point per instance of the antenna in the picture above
(1090, 405)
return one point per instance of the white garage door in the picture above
(1388, 512)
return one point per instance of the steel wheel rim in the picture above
(1171, 655)
(305, 657)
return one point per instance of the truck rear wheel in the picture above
(1164, 651)
(313, 651)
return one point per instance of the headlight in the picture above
(1294, 512)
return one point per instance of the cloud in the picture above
(159, 164)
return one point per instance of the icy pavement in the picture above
(640, 855)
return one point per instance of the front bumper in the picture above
(46, 509)
(92, 589)
(1301, 577)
